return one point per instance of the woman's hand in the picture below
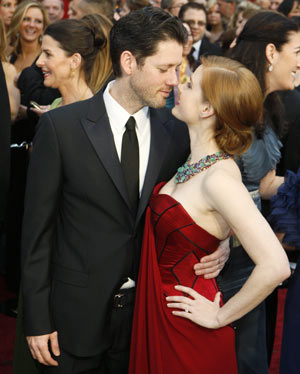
(199, 309)
(43, 109)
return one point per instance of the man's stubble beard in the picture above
(143, 96)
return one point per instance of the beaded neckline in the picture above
(187, 170)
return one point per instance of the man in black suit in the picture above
(84, 208)
(4, 145)
(82, 233)
(194, 14)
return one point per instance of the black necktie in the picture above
(130, 163)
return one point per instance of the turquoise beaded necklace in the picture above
(187, 170)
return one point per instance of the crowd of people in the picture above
(145, 145)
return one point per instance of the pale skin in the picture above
(222, 204)
(134, 89)
(13, 92)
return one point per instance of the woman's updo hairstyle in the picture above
(88, 36)
(236, 96)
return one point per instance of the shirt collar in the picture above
(118, 116)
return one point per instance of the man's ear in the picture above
(206, 110)
(127, 62)
(271, 53)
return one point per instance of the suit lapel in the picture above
(98, 130)
(158, 148)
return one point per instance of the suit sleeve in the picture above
(42, 197)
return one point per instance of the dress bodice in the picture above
(180, 243)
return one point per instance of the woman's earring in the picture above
(72, 73)
(270, 68)
(40, 39)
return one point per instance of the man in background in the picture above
(195, 16)
(55, 9)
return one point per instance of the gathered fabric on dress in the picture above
(161, 342)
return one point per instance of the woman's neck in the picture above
(202, 142)
(75, 90)
(29, 52)
(30, 48)
(217, 29)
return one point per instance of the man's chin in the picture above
(158, 104)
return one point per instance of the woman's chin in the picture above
(175, 112)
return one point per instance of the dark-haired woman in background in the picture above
(269, 46)
(75, 59)
(290, 8)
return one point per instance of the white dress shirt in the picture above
(197, 46)
(118, 117)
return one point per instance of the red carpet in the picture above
(7, 331)
(7, 338)
(274, 367)
(8, 325)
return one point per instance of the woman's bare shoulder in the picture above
(223, 171)
(9, 70)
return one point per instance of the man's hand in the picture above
(39, 348)
(211, 266)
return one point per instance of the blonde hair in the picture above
(236, 96)
(102, 66)
(17, 19)
(3, 42)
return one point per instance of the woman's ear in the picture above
(76, 60)
(206, 110)
(271, 53)
(127, 62)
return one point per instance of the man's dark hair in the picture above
(187, 6)
(140, 32)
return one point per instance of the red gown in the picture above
(161, 342)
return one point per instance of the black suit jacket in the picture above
(4, 144)
(79, 236)
(207, 49)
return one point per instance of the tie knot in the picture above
(130, 124)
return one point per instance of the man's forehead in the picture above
(194, 14)
(168, 52)
(52, 2)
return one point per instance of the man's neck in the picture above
(124, 95)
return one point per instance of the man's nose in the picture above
(172, 79)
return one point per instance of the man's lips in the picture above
(166, 93)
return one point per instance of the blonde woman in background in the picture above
(7, 9)
(10, 74)
(25, 34)
(215, 24)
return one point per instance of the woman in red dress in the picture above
(181, 325)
